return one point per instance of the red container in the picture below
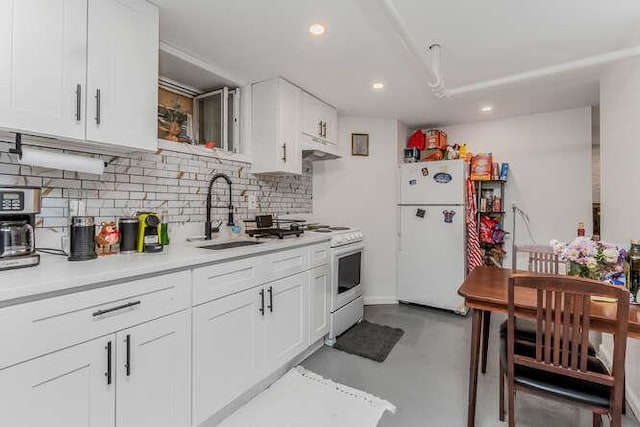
(417, 140)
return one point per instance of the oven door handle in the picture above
(347, 250)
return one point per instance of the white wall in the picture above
(549, 158)
(619, 153)
(361, 192)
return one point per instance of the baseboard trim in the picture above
(632, 398)
(380, 300)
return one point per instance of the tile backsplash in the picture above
(166, 180)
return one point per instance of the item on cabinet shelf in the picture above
(417, 140)
(411, 155)
(497, 204)
(82, 238)
(359, 144)
(435, 138)
(504, 171)
(18, 209)
(128, 227)
(452, 152)
(481, 167)
(633, 271)
(486, 200)
(149, 231)
(108, 236)
(432, 155)
(580, 231)
(495, 171)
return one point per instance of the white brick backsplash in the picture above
(171, 181)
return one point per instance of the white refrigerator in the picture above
(432, 233)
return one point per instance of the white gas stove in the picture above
(347, 288)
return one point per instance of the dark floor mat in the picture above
(369, 340)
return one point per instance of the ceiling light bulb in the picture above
(317, 29)
(486, 109)
(378, 86)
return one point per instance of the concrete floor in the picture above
(426, 375)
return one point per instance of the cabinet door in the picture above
(311, 116)
(68, 388)
(289, 124)
(122, 73)
(228, 354)
(43, 68)
(319, 294)
(154, 373)
(287, 325)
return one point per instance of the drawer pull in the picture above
(271, 298)
(128, 361)
(112, 309)
(261, 309)
(108, 373)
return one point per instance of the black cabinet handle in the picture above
(127, 364)
(284, 152)
(320, 126)
(262, 301)
(78, 102)
(271, 299)
(108, 373)
(112, 309)
(97, 106)
(324, 129)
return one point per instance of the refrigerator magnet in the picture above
(413, 182)
(420, 213)
(448, 216)
(425, 171)
(442, 178)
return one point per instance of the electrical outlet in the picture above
(252, 202)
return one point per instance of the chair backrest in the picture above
(563, 308)
(541, 259)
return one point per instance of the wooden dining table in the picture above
(485, 291)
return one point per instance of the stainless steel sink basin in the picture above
(230, 245)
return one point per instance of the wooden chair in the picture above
(558, 364)
(541, 259)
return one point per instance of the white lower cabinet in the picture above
(319, 294)
(154, 373)
(287, 322)
(228, 353)
(69, 388)
(104, 382)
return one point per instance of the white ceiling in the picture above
(256, 39)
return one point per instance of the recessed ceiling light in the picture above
(317, 29)
(377, 86)
(486, 109)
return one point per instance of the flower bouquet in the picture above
(592, 259)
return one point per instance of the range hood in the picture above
(314, 149)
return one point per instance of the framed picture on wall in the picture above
(359, 144)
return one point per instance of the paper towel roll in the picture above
(53, 160)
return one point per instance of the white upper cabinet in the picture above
(43, 67)
(275, 127)
(319, 119)
(80, 70)
(122, 73)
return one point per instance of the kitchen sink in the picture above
(230, 245)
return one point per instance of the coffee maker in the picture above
(18, 209)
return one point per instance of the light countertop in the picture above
(56, 276)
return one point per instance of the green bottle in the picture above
(633, 270)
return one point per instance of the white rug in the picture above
(302, 398)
